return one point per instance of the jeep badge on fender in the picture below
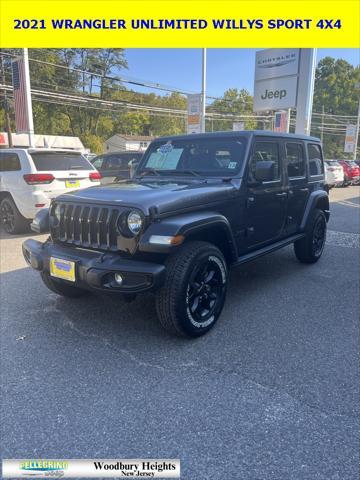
(197, 206)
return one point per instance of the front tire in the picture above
(62, 288)
(11, 219)
(194, 292)
(310, 248)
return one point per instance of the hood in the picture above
(165, 196)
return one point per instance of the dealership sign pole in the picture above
(305, 94)
(194, 113)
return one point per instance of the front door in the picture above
(266, 201)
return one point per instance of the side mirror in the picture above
(40, 224)
(265, 171)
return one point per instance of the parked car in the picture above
(116, 165)
(197, 206)
(334, 173)
(30, 178)
(351, 172)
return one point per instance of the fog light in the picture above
(118, 278)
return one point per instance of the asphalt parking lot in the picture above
(272, 392)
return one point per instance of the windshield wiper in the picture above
(186, 172)
(152, 171)
(76, 167)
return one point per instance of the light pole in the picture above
(203, 91)
(357, 86)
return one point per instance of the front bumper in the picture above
(96, 270)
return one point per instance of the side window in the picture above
(98, 163)
(263, 152)
(316, 165)
(9, 162)
(295, 160)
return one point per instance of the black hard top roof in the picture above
(242, 133)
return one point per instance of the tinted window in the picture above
(9, 162)
(97, 162)
(116, 162)
(56, 161)
(265, 151)
(316, 166)
(210, 156)
(333, 163)
(295, 160)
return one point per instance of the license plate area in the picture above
(72, 183)
(64, 269)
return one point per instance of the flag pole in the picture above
(203, 91)
(29, 112)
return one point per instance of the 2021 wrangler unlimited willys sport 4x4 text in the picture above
(197, 205)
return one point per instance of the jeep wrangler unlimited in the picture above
(197, 205)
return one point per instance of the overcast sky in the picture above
(181, 68)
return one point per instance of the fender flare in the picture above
(313, 200)
(186, 225)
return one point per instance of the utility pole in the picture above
(322, 125)
(203, 91)
(6, 106)
(357, 86)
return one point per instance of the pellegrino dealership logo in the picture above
(278, 61)
(47, 468)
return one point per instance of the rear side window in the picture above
(316, 166)
(265, 151)
(114, 162)
(55, 161)
(97, 162)
(9, 162)
(295, 160)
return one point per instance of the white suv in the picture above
(30, 178)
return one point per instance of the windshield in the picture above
(332, 163)
(207, 156)
(56, 161)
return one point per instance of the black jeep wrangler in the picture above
(197, 205)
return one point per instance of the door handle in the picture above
(281, 195)
(304, 189)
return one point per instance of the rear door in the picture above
(71, 171)
(298, 188)
(266, 201)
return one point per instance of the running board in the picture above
(268, 249)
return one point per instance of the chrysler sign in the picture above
(276, 79)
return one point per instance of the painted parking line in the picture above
(342, 239)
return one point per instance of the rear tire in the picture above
(61, 288)
(11, 219)
(194, 292)
(310, 248)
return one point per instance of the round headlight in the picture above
(134, 222)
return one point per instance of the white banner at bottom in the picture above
(91, 468)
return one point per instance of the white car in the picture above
(334, 173)
(30, 178)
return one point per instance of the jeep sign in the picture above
(276, 78)
(275, 94)
(276, 62)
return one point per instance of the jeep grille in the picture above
(88, 226)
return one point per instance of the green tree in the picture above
(336, 94)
